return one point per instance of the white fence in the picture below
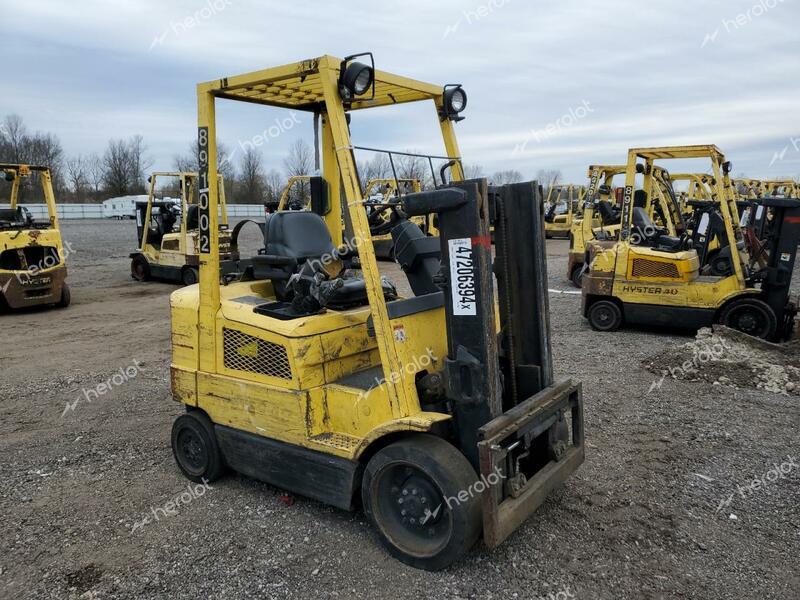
(95, 211)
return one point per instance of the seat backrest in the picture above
(192, 217)
(297, 234)
(607, 214)
(17, 215)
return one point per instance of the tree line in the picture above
(122, 169)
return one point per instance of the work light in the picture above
(455, 101)
(355, 80)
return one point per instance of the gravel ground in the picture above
(666, 505)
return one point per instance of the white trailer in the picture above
(122, 207)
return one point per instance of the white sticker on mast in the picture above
(462, 277)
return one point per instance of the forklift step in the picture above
(341, 441)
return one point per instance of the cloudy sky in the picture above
(551, 84)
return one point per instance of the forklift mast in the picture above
(782, 252)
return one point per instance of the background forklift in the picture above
(655, 279)
(563, 206)
(169, 245)
(33, 264)
(310, 374)
(605, 201)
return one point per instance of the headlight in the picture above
(455, 101)
(356, 80)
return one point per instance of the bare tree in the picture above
(473, 171)
(116, 171)
(504, 177)
(547, 178)
(125, 165)
(94, 172)
(251, 182)
(300, 161)
(77, 177)
(377, 168)
(273, 186)
(13, 134)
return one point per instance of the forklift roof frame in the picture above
(187, 179)
(311, 85)
(721, 188)
(20, 170)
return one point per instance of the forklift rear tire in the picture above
(412, 490)
(194, 445)
(189, 276)
(66, 297)
(605, 315)
(576, 277)
(751, 316)
(140, 270)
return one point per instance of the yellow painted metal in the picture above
(282, 379)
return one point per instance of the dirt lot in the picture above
(665, 506)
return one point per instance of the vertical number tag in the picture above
(462, 277)
(203, 199)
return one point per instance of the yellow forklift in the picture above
(167, 230)
(286, 201)
(649, 277)
(603, 201)
(563, 206)
(33, 263)
(437, 413)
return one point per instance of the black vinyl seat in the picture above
(650, 235)
(298, 249)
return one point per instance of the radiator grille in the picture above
(652, 268)
(244, 352)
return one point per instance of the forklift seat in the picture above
(299, 245)
(653, 236)
(192, 218)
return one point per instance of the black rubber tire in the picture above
(140, 270)
(576, 276)
(433, 470)
(66, 297)
(194, 446)
(189, 276)
(605, 315)
(751, 316)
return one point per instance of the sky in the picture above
(551, 84)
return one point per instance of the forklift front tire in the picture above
(140, 270)
(751, 316)
(189, 276)
(605, 315)
(66, 297)
(576, 277)
(194, 445)
(422, 496)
